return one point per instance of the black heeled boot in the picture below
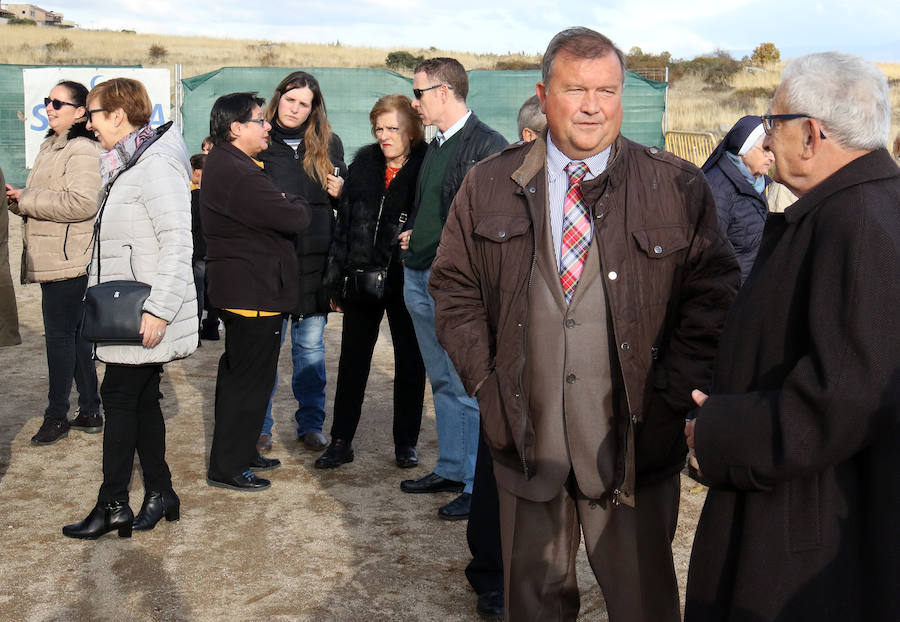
(156, 505)
(104, 518)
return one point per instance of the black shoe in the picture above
(210, 331)
(458, 509)
(314, 441)
(103, 518)
(51, 431)
(431, 483)
(490, 605)
(92, 423)
(406, 457)
(339, 452)
(261, 463)
(245, 482)
(156, 505)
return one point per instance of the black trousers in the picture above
(68, 355)
(360, 332)
(134, 420)
(243, 385)
(485, 571)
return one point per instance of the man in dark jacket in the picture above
(250, 228)
(800, 437)
(580, 287)
(440, 86)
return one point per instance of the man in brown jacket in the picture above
(581, 309)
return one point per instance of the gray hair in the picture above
(530, 116)
(848, 94)
(581, 42)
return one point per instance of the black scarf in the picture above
(283, 133)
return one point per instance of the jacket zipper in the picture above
(524, 334)
(65, 243)
(377, 223)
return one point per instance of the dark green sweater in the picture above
(426, 235)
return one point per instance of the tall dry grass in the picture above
(197, 55)
(694, 105)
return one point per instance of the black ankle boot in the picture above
(156, 505)
(104, 518)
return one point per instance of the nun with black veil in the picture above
(736, 172)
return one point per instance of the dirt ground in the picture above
(342, 544)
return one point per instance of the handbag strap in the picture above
(108, 189)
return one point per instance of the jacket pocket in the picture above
(661, 253)
(662, 242)
(501, 228)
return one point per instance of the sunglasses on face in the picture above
(57, 103)
(418, 92)
(90, 113)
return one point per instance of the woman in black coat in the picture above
(376, 201)
(736, 172)
(303, 158)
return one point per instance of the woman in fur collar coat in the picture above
(376, 201)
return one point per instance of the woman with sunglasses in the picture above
(306, 158)
(143, 234)
(58, 205)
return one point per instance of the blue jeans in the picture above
(456, 413)
(308, 378)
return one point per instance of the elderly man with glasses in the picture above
(800, 436)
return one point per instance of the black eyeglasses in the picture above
(418, 92)
(262, 122)
(768, 121)
(90, 113)
(58, 103)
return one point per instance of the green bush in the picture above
(21, 21)
(516, 64)
(715, 70)
(402, 60)
(60, 45)
(157, 52)
(765, 54)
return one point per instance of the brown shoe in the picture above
(264, 444)
(92, 423)
(51, 431)
(314, 441)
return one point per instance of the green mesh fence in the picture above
(495, 96)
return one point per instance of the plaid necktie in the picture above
(576, 237)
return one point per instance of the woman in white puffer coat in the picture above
(144, 235)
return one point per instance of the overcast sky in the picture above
(685, 28)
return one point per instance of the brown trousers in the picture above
(629, 550)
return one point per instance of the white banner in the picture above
(39, 82)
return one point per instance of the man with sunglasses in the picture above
(800, 435)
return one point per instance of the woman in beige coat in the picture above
(58, 205)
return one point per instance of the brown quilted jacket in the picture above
(670, 279)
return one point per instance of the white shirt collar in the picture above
(557, 161)
(443, 137)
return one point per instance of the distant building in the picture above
(42, 17)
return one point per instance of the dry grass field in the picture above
(693, 105)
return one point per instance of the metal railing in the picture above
(694, 147)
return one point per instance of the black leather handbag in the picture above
(365, 285)
(112, 310)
